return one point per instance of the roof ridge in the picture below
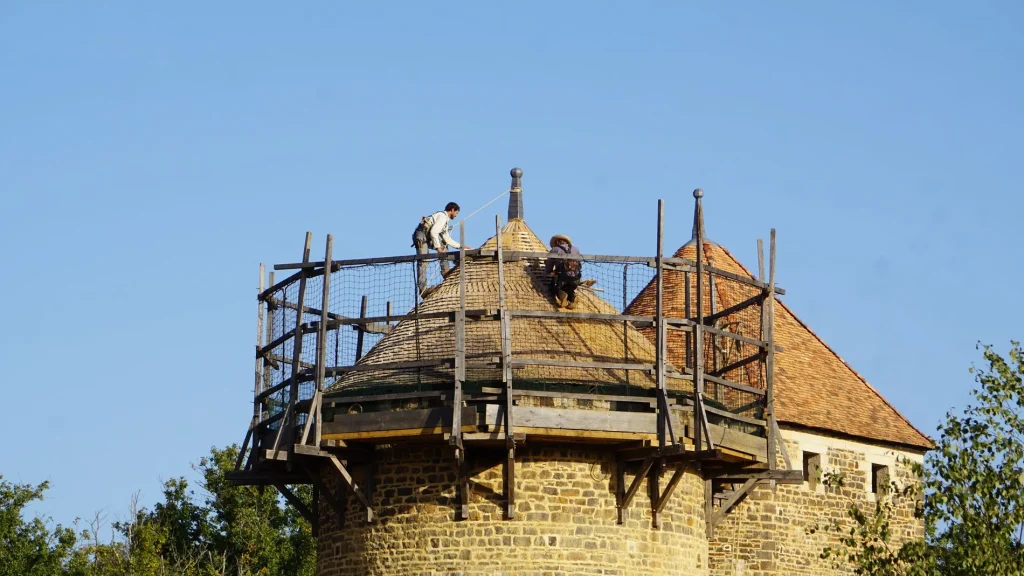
(829, 348)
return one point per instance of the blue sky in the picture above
(151, 157)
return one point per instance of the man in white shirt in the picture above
(432, 233)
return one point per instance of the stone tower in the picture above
(683, 430)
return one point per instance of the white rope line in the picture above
(464, 218)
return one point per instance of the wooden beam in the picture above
(635, 485)
(654, 490)
(506, 375)
(709, 508)
(257, 412)
(637, 320)
(293, 393)
(524, 362)
(738, 307)
(375, 328)
(571, 419)
(297, 503)
(720, 514)
(359, 336)
(665, 433)
(279, 303)
(264, 478)
(303, 377)
(769, 367)
(335, 400)
(336, 264)
(718, 380)
(781, 476)
(321, 354)
(352, 485)
(781, 443)
(670, 488)
(737, 364)
(620, 492)
(460, 345)
(438, 362)
(426, 418)
(687, 404)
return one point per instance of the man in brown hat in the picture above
(566, 275)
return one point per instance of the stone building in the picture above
(834, 424)
(485, 432)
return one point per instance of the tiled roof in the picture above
(814, 387)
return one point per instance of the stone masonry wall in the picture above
(565, 520)
(770, 534)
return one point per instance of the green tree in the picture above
(973, 486)
(226, 531)
(30, 548)
(251, 530)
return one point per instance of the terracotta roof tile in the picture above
(814, 387)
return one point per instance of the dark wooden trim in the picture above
(580, 316)
(352, 485)
(769, 366)
(665, 433)
(512, 255)
(277, 342)
(275, 287)
(781, 476)
(523, 362)
(782, 443)
(475, 314)
(738, 495)
(265, 478)
(330, 495)
(670, 488)
(304, 376)
(359, 335)
(336, 264)
(709, 508)
(418, 419)
(746, 340)
(460, 348)
(654, 490)
(651, 401)
(635, 485)
(753, 300)
(688, 404)
(505, 328)
(439, 362)
(297, 503)
(737, 364)
(293, 393)
(335, 400)
(277, 302)
(722, 381)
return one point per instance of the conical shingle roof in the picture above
(813, 386)
(538, 338)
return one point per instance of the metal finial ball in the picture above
(516, 172)
(698, 193)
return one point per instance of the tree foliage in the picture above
(973, 488)
(223, 530)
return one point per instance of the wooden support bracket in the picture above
(634, 486)
(299, 505)
(352, 486)
(738, 495)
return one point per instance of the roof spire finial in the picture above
(698, 215)
(698, 220)
(515, 196)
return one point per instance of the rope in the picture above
(464, 218)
